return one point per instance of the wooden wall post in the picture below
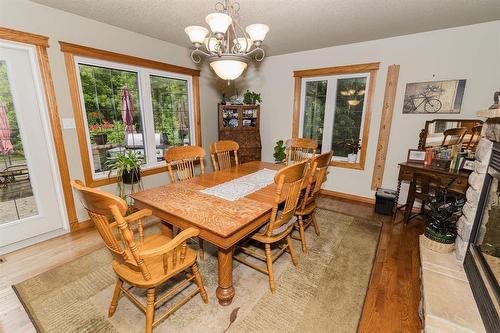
(385, 125)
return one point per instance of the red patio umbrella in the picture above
(5, 144)
(127, 110)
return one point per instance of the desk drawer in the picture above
(406, 173)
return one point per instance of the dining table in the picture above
(221, 222)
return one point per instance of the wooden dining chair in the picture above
(288, 182)
(181, 164)
(318, 167)
(474, 137)
(220, 153)
(453, 136)
(299, 149)
(145, 262)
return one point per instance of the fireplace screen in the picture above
(482, 262)
(488, 240)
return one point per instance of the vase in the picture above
(351, 158)
(100, 139)
(132, 177)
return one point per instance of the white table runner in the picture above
(242, 186)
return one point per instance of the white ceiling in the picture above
(296, 25)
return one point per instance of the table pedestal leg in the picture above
(225, 290)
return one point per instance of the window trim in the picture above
(371, 69)
(73, 52)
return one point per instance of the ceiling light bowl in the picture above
(228, 66)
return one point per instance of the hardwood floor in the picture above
(391, 304)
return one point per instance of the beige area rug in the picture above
(325, 293)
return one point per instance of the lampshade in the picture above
(210, 44)
(353, 102)
(218, 22)
(245, 44)
(196, 33)
(257, 32)
(229, 67)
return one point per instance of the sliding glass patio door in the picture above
(31, 203)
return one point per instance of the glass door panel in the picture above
(31, 200)
(16, 194)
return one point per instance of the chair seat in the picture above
(281, 229)
(154, 264)
(307, 210)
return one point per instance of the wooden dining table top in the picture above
(211, 214)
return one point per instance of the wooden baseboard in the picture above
(348, 197)
(84, 225)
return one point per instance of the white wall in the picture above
(58, 25)
(470, 52)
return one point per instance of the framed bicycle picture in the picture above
(434, 96)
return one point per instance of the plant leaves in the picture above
(232, 317)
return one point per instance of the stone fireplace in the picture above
(478, 244)
(460, 289)
(489, 135)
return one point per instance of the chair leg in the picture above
(150, 309)
(302, 235)
(201, 252)
(116, 297)
(292, 250)
(269, 262)
(315, 223)
(199, 283)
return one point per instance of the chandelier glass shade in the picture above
(228, 47)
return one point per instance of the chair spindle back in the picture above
(119, 236)
(183, 160)
(453, 136)
(318, 167)
(299, 149)
(289, 181)
(475, 136)
(220, 153)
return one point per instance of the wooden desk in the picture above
(221, 222)
(406, 171)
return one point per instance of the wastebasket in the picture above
(384, 201)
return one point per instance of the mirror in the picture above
(444, 132)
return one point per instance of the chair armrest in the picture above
(178, 240)
(138, 215)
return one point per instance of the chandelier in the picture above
(228, 47)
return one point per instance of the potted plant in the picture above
(444, 210)
(127, 167)
(100, 132)
(353, 146)
(95, 119)
(279, 152)
(250, 97)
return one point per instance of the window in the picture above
(170, 112)
(130, 105)
(332, 106)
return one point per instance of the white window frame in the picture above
(145, 103)
(330, 103)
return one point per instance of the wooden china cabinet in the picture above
(241, 123)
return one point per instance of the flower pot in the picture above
(132, 177)
(437, 246)
(100, 139)
(351, 158)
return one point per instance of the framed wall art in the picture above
(434, 97)
(416, 156)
